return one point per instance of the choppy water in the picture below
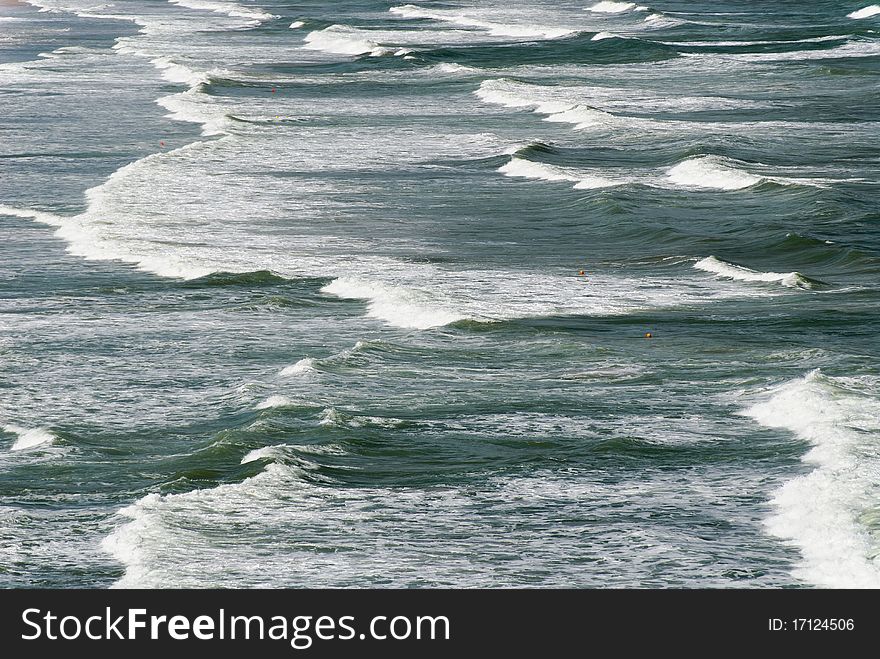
(290, 294)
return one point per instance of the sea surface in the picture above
(507, 293)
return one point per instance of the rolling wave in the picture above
(522, 168)
(733, 271)
(705, 172)
(343, 40)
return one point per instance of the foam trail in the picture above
(711, 172)
(29, 437)
(865, 12)
(42, 218)
(830, 513)
(732, 271)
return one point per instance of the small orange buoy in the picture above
(648, 335)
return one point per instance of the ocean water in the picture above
(290, 294)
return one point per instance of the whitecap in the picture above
(865, 12)
(275, 401)
(397, 305)
(29, 437)
(607, 7)
(303, 366)
(712, 172)
(733, 271)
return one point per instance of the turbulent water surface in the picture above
(356, 293)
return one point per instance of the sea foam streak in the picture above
(741, 273)
(830, 513)
(866, 12)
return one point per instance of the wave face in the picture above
(830, 512)
(365, 284)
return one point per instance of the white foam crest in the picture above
(658, 20)
(229, 8)
(495, 29)
(29, 437)
(865, 12)
(828, 512)
(342, 40)
(303, 366)
(580, 115)
(606, 7)
(522, 168)
(397, 305)
(264, 453)
(601, 36)
(331, 417)
(452, 67)
(733, 271)
(275, 401)
(542, 100)
(195, 107)
(712, 172)
(178, 73)
(296, 25)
